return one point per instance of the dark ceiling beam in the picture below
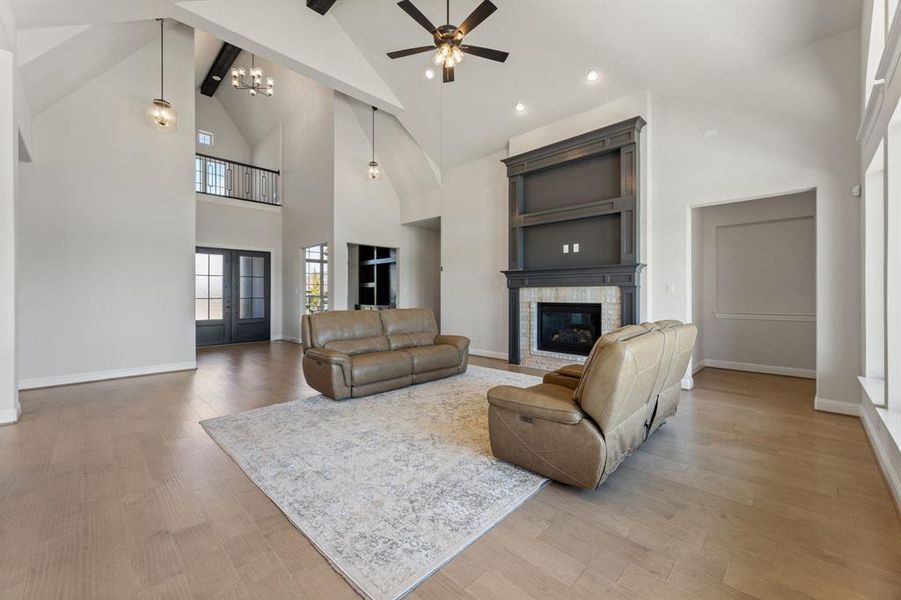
(320, 6)
(219, 69)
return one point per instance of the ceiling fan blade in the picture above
(489, 53)
(410, 51)
(414, 12)
(481, 13)
(448, 74)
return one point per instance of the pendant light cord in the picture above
(373, 133)
(162, 96)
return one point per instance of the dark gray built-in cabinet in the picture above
(574, 214)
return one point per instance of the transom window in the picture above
(204, 138)
(316, 278)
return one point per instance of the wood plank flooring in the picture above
(112, 490)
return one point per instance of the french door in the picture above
(231, 296)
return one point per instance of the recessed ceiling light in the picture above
(592, 75)
(429, 74)
(519, 107)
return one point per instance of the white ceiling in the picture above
(650, 44)
(647, 44)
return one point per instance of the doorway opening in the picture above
(232, 296)
(754, 285)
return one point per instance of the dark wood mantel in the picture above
(584, 190)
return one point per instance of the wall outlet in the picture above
(710, 134)
(565, 248)
(669, 288)
(576, 247)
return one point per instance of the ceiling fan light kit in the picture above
(447, 40)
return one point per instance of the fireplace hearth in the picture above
(568, 327)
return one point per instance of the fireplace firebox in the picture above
(568, 327)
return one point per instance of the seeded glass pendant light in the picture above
(374, 170)
(160, 113)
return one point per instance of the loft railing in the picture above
(232, 179)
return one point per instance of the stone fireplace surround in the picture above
(610, 297)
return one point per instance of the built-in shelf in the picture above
(574, 215)
(372, 277)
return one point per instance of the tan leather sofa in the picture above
(579, 424)
(352, 353)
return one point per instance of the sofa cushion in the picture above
(378, 343)
(431, 358)
(409, 327)
(340, 325)
(380, 366)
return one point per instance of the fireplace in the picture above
(568, 327)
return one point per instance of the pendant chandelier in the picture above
(161, 114)
(256, 80)
(374, 171)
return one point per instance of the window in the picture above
(207, 287)
(874, 269)
(204, 138)
(316, 278)
(252, 287)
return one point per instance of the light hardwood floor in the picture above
(112, 490)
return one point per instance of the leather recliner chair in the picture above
(580, 423)
(353, 353)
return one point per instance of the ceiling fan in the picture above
(448, 40)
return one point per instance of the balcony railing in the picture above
(231, 179)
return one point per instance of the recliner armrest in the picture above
(332, 357)
(544, 401)
(574, 370)
(459, 342)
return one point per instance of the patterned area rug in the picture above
(388, 487)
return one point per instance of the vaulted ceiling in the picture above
(648, 44)
(636, 45)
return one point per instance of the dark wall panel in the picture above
(587, 180)
(598, 239)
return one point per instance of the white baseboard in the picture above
(837, 406)
(892, 477)
(755, 368)
(10, 415)
(285, 338)
(489, 354)
(41, 382)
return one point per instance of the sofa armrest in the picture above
(561, 380)
(331, 357)
(575, 370)
(459, 342)
(544, 401)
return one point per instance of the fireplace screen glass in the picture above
(568, 328)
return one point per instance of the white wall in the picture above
(420, 269)
(227, 139)
(107, 227)
(757, 301)
(784, 126)
(308, 192)
(9, 168)
(366, 211)
(473, 254)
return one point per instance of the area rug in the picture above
(388, 487)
